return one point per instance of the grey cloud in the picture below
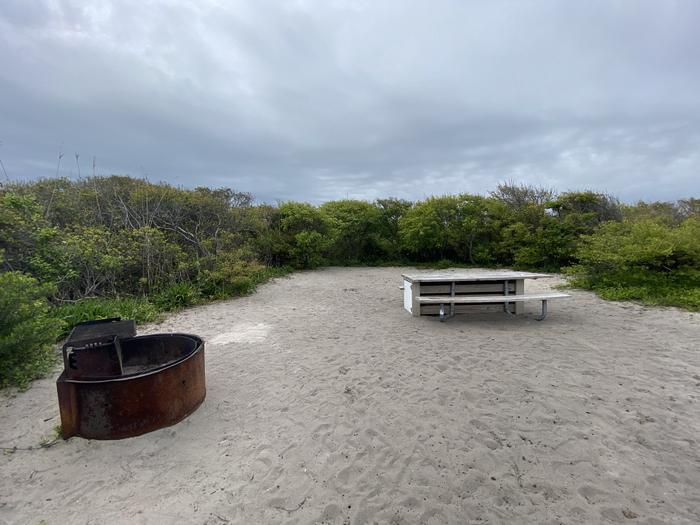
(316, 100)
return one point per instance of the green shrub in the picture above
(390, 213)
(139, 309)
(308, 248)
(677, 288)
(646, 243)
(176, 296)
(551, 245)
(304, 233)
(649, 260)
(464, 228)
(27, 330)
(228, 274)
(354, 231)
(442, 264)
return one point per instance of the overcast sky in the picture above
(326, 99)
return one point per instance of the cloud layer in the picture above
(316, 100)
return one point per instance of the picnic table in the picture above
(447, 293)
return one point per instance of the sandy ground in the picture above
(327, 402)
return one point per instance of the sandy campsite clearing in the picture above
(327, 402)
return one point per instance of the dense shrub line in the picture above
(647, 259)
(118, 246)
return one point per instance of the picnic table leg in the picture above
(544, 312)
(519, 290)
(415, 293)
(453, 287)
(506, 291)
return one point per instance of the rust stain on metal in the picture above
(161, 382)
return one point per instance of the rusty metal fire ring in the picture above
(162, 381)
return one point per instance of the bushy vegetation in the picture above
(27, 330)
(140, 309)
(117, 246)
(647, 259)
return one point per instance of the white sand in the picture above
(326, 401)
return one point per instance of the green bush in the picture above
(231, 274)
(464, 228)
(546, 247)
(390, 213)
(27, 330)
(304, 232)
(649, 260)
(176, 296)
(308, 248)
(677, 288)
(354, 231)
(139, 309)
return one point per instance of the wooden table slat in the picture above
(446, 299)
(426, 277)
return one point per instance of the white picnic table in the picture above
(464, 291)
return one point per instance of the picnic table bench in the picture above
(464, 291)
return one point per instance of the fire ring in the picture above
(115, 387)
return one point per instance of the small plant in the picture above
(55, 437)
(177, 296)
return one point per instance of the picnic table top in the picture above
(470, 275)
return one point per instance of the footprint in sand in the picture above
(242, 333)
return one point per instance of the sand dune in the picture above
(327, 402)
